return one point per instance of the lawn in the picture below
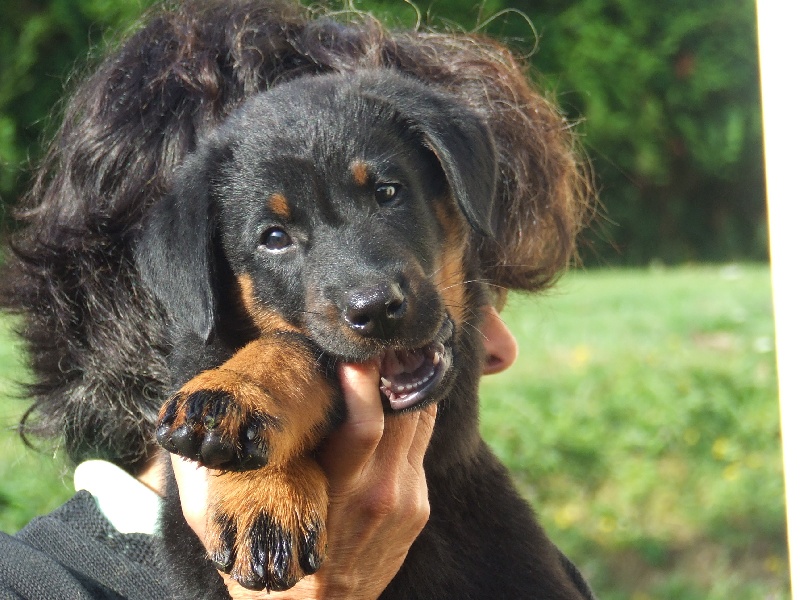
(641, 421)
(31, 482)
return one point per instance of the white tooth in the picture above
(436, 358)
(386, 382)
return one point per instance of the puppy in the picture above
(330, 219)
(368, 224)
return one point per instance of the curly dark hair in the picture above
(95, 339)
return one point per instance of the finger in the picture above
(398, 435)
(406, 437)
(192, 482)
(349, 448)
(422, 436)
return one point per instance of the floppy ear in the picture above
(465, 149)
(175, 254)
(458, 137)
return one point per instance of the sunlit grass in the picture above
(31, 482)
(642, 422)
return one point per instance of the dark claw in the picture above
(280, 585)
(310, 560)
(195, 406)
(202, 433)
(258, 574)
(208, 406)
(255, 453)
(222, 560)
(281, 556)
(223, 556)
(162, 435)
(215, 452)
(184, 441)
(252, 584)
(169, 414)
(271, 553)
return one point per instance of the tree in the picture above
(41, 42)
(665, 97)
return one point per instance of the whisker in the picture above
(484, 281)
(483, 335)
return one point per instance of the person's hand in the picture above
(378, 497)
(378, 494)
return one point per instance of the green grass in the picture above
(32, 482)
(641, 421)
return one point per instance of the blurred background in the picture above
(642, 418)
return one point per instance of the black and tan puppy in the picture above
(327, 220)
(245, 193)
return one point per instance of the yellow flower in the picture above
(732, 472)
(567, 516)
(580, 356)
(721, 448)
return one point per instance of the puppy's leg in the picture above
(267, 527)
(268, 403)
(256, 418)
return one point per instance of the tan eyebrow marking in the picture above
(278, 204)
(360, 172)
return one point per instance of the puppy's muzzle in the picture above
(397, 318)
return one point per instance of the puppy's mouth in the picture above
(408, 377)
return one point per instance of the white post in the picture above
(779, 35)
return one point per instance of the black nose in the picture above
(377, 310)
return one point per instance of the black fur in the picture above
(300, 140)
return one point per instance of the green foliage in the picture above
(41, 42)
(666, 95)
(32, 482)
(669, 101)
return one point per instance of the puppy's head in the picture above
(343, 206)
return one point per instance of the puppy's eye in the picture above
(386, 193)
(275, 239)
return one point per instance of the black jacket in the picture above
(75, 553)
